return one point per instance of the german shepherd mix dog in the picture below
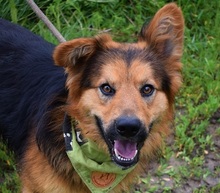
(94, 120)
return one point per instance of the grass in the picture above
(196, 102)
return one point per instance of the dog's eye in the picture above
(147, 90)
(107, 90)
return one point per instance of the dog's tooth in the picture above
(116, 152)
(135, 153)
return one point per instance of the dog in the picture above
(89, 114)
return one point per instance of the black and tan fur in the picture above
(104, 83)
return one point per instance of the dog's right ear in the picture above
(67, 54)
(75, 52)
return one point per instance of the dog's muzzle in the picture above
(124, 137)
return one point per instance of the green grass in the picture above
(8, 176)
(197, 100)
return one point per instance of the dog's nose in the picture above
(128, 126)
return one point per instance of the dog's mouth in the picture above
(124, 151)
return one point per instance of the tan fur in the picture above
(37, 172)
(84, 104)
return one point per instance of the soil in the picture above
(189, 184)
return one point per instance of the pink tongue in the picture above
(125, 148)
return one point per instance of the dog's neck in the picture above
(92, 164)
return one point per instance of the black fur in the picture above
(30, 85)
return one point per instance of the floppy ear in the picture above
(164, 34)
(71, 53)
(67, 54)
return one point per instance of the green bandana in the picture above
(93, 165)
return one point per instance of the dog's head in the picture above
(122, 94)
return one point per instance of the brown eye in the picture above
(107, 90)
(147, 90)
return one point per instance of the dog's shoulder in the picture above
(16, 38)
(29, 82)
(14, 33)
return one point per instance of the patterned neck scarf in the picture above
(93, 165)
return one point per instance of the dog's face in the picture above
(122, 94)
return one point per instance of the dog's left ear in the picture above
(164, 34)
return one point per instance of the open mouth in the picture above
(124, 148)
(124, 152)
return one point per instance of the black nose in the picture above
(128, 126)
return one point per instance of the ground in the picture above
(165, 182)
